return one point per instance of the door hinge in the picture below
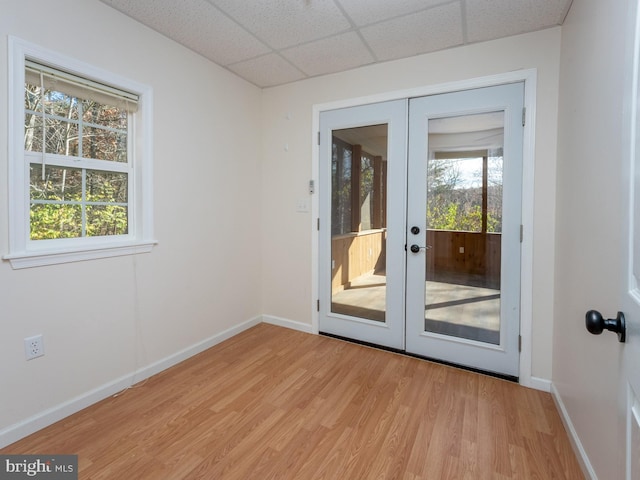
(524, 116)
(519, 343)
(318, 224)
(521, 233)
(318, 305)
(312, 187)
(318, 137)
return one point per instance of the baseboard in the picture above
(579, 450)
(15, 432)
(284, 322)
(536, 383)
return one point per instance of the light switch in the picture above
(302, 205)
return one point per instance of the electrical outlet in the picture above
(33, 347)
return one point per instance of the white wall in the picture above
(589, 224)
(287, 120)
(104, 319)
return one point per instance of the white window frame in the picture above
(24, 252)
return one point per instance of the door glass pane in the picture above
(358, 222)
(464, 224)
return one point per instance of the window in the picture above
(358, 180)
(80, 165)
(464, 191)
(340, 187)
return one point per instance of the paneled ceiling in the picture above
(272, 42)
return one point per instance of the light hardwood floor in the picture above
(273, 403)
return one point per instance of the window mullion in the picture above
(83, 208)
(485, 191)
(80, 128)
(132, 178)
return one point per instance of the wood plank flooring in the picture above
(273, 403)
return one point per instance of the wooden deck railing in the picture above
(451, 252)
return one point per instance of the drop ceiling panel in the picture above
(267, 71)
(434, 29)
(490, 19)
(365, 12)
(197, 25)
(285, 23)
(333, 54)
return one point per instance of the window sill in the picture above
(55, 257)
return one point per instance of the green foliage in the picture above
(64, 220)
(451, 216)
(456, 205)
(54, 221)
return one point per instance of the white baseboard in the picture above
(284, 322)
(579, 450)
(15, 432)
(536, 383)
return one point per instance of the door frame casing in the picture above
(529, 77)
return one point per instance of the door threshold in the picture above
(508, 378)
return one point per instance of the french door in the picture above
(363, 153)
(420, 225)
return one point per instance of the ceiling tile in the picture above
(365, 12)
(285, 23)
(490, 19)
(267, 71)
(427, 31)
(197, 25)
(334, 54)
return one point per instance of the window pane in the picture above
(358, 211)
(107, 187)
(454, 194)
(366, 192)
(103, 144)
(63, 125)
(62, 184)
(55, 102)
(494, 191)
(106, 220)
(62, 137)
(32, 97)
(32, 132)
(104, 115)
(50, 221)
(60, 104)
(340, 188)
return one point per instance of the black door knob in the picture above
(596, 324)
(415, 230)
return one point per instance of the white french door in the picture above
(363, 155)
(420, 203)
(464, 202)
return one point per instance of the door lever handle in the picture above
(596, 324)
(416, 248)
